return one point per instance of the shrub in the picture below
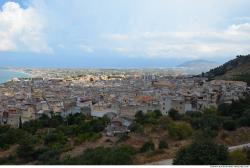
(136, 127)
(87, 137)
(105, 156)
(202, 153)
(147, 147)
(163, 144)
(54, 137)
(122, 138)
(157, 113)
(238, 158)
(229, 125)
(180, 131)
(245, 118)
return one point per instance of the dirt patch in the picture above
(159, 155)
(8, 152)
(237, 137)
(78, 150)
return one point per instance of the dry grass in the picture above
(237, 137)
(159, 155)
(8, 152)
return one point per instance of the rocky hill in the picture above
(236, 69)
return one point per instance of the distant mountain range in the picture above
(195, 63)
(236, 69)
(198, 66)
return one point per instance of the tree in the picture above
(20, 122)
(174, 114)
(180, 131)
(202, 153)
(147, 147)
(157, 113)
(210, 122)
(139, 117)
(136, 127)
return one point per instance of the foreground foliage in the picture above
(202, 153)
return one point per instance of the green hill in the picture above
(236, 69)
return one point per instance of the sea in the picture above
(8, 74)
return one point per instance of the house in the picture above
(115, 128)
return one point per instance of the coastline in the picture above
(9, 74)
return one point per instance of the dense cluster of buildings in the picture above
(119, 96)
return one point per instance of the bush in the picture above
(238, 158)
(180, 131)
(122, 138)
(136, 127)
(163, 144)
(247, 151)
(104, 156)
(54, 137)
(25, 151)
(47, 156)
(194, 114)
(87, 137)
(210, 122)
(202, 153)
(11, 136)
(229, 125)
(157, 113)
(147, 147)
(149, 118)
(245, 118)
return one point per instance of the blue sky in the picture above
(121, 33)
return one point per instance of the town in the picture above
(115, 95)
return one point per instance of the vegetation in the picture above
(238, 68)
(202, 153)
(239, 157)
(148, 146)
(245, 77)
(44, 139)
(149, 117)
(104, 156)
(174, 114)
(163, 144)
(179, 131)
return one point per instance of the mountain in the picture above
(236, 69)
(197, 66)
(195, 63)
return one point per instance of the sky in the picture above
(121, 33)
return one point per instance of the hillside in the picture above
(236, 69)
(199, 63)
(197, 66)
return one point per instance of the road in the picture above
(233, 148)
(170, 161)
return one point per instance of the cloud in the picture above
(233, 40)
(86, 48)
(22, 29)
